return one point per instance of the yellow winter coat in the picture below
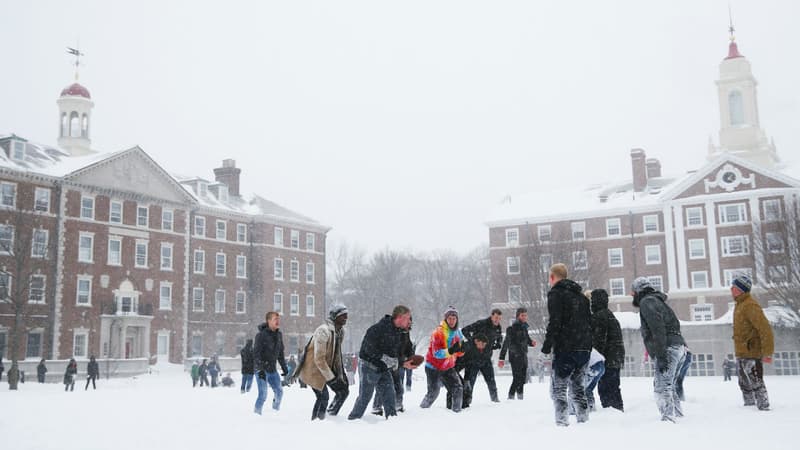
(752, 333)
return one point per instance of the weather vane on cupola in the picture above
(78, 54)
(730, 20)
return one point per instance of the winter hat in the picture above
(743, 282)
(337, 309)
(640, 284)
(451, 311)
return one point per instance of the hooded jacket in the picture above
(268, 349)
(752, 333)
(323, 357)
(660, 327)
(570, 326)
(607, 333)
(443, 338)
(383, 338)
(248, 364)
(517, 341)
(494, 333)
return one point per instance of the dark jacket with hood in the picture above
(268, 349)
(383, 338)
(516, 342)
(248, 366)
(494, 333)
(570, 325)
(606, 332)
(473, 357)
(660, 327)
(93, 369)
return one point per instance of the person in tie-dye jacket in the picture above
(445, 346)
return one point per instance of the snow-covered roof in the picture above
(46, 160)
(777, 316)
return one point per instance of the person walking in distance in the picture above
(92, 372)
(248, 366)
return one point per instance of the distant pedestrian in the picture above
(248, 367)
(214, 370)
(227, 381)
(727, 369)
(41, 371)
(92, 372)
(69, 375)
(203, 372)
(195, 373)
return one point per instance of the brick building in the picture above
(123, 260)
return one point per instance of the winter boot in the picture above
(377, 411)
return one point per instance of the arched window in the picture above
(85, 126)
(64, 125)
(736, 108)
(74, 125)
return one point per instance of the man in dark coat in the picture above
(214, 370)
(379, 355)
(267, 354)
(247, 366)
(406, 352)
(516, 345)
(92, 372)
(41, 371)
(69, 375)
(607, 339)
(203, 373)
(476, 352)
(661, 332)
(569, 337)
(490, 329)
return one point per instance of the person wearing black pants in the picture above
(516, 345)
(607, 339)
(92, 372)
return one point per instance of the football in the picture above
(416, 360)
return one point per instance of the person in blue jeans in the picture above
(247, 366)
(267, 354)
(682, 374)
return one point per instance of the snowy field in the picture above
(162, 411)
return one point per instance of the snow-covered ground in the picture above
(163, 411)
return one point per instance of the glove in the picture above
(283, 372)
(262, 374)
(455, 348)
(391, 362)
(547, 347)
(337, 385)
(501, 364)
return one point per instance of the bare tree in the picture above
(777, 254)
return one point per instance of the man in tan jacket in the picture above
(753, 342)
(322, 365)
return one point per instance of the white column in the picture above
(758, 256)
(713, 246)
(680, 240)
(669, 248)
(123, 336)
(146, 339)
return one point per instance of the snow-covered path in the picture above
(162, 411)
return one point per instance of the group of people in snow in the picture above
(201, 371)
(71, 372)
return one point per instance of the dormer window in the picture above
(223, 193)
(17, 150)
(203, 188)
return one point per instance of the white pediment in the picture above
(131, 171)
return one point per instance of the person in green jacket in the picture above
(195, 373)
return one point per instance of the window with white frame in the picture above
(700, 279)
(616, 286)
(5, 285)
(200, 226)
(87, 207)
(702, 312)
(166, 256)
(33, 349)
(219, 301)
(294, 305)
(650, 224)
(615, 257)
(309, 305)
(199, 261)
(772, 210)
(545, 262)
(657, 282)
(84, 294)
(294, 271)
(115, 211)
(6, 239)
(18, 151)
(735, 245)
(786, 363)
(85, 247)
(36, 289)
(167, 219)
(652, 254)
(613, 227)
(544, 233)
(278, 237)
(79, 344)
(730, 274)
(512, 237)
(8, 194)
(694, 216)
(241, 232)
(241, 302)
(198, 299)
(702, 365)
(310, 273)
(222, 230)
(220, 264)
(39, 243)
(777, 274)
(775, 242)
(165, 295)
(515, 294)
(629, 368)
(697, 248)
(732, 213)
(114, 251)
(241, 266)
(162, 343)
(141, 254)
(578, 231)
(197, 345)
(278, 271)
(579, 260)
(512, 265)
(142, 216)
(277, 302)
(41, 201)
(311, 241)
(295, 239)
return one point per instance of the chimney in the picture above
(653, 168)
(638, 159)
(229, 175)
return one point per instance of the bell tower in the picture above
(75, 115)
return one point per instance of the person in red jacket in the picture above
(445, 346)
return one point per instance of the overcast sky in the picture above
(401, 123)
